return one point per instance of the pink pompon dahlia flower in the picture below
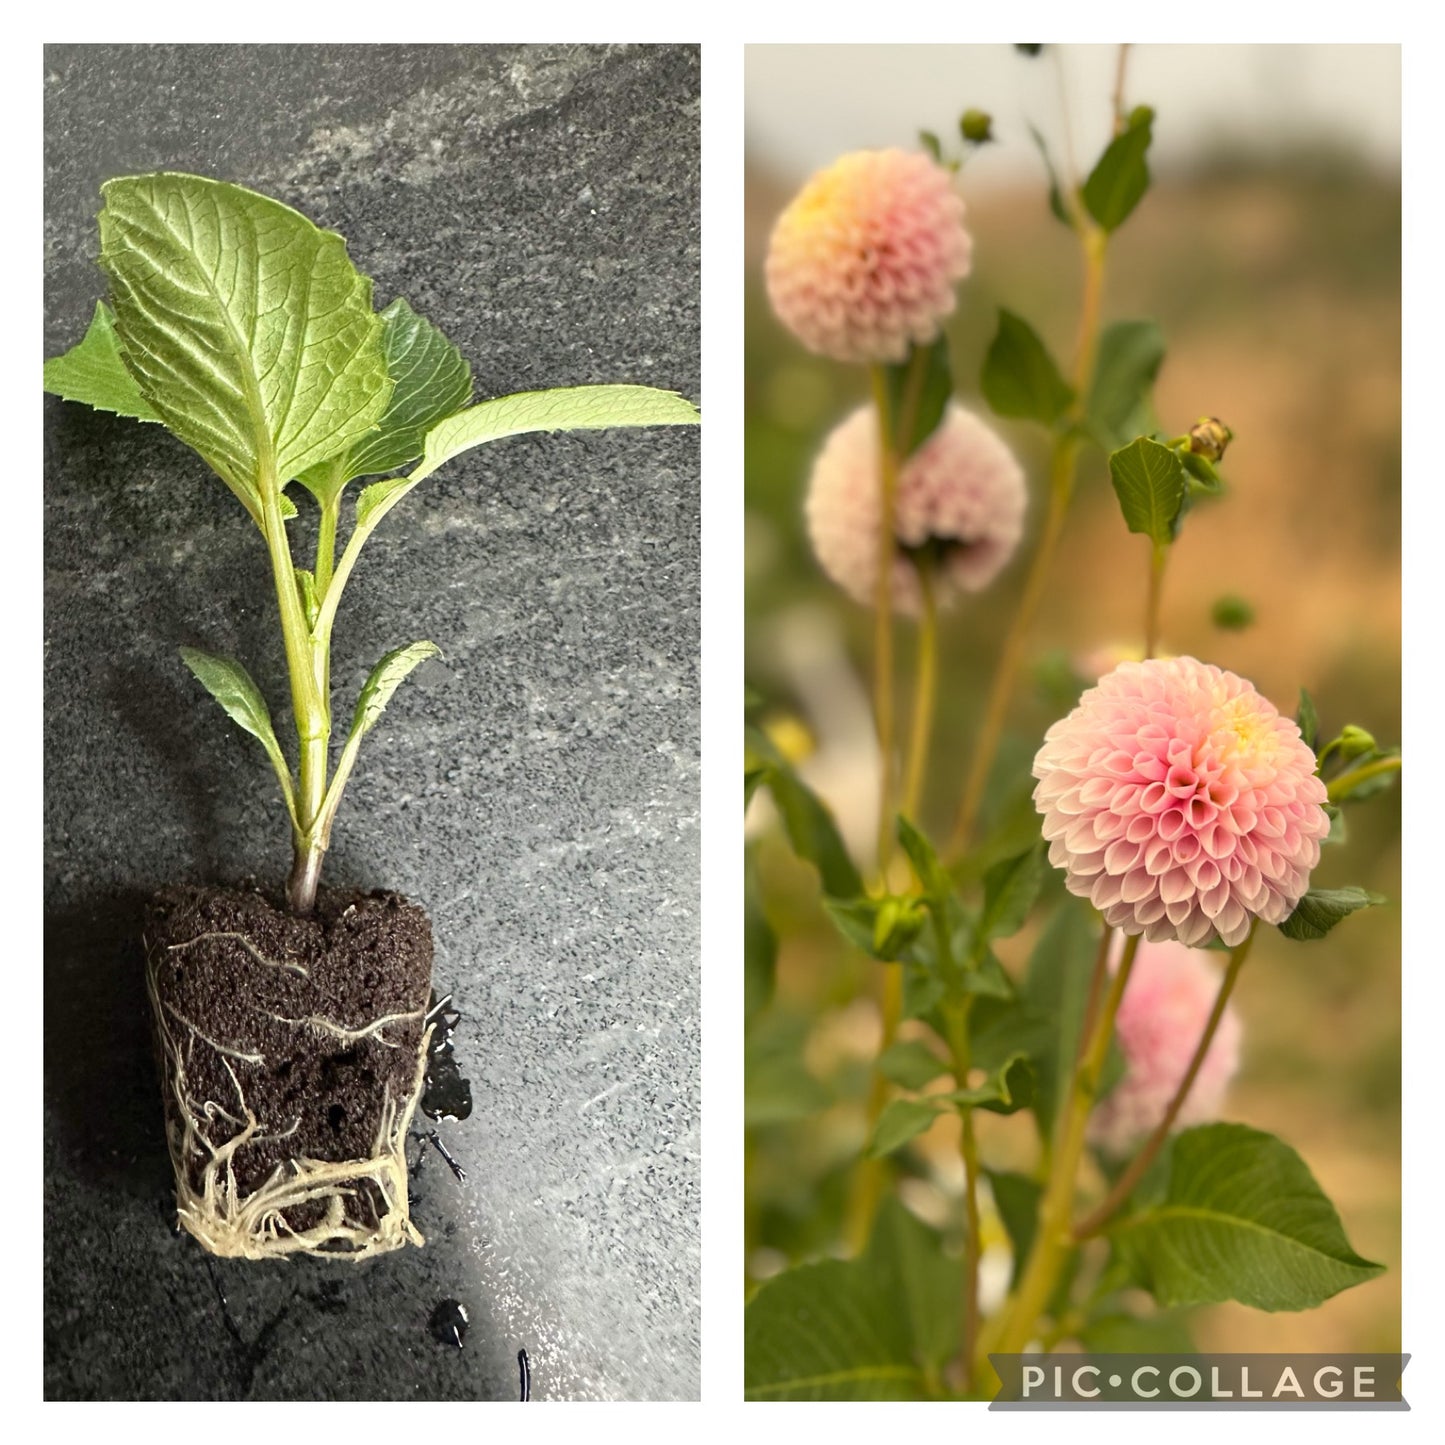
(1166, 1004)
(1180, 803)
(866, 258)
(961, 490)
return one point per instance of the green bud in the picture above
(1233, 614)
(1030, 50)
(976, 126)
(1355, 742)
(1209, 437)
(896, 924)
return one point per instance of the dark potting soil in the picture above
(291, 1006)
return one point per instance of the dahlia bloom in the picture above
(1180, 803)
(1166, 1003)
(962, 489)
(865, 259)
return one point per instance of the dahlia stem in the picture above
(961, 1050)
(925, 688)
(1158, 561)
(1356, 776)
(867, 1187)
(1062, 472)
(1116, 1198)
(883, 614)
(1055, 1241)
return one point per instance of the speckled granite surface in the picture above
(537, 791)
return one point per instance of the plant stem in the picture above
(1158, 561)
(1054, 1241)
(867, 1186)
(1062, 470)
(1121, 66)
(961, 1049)
(326, 543)
(925, 687)
(883, 614)
(311, 712)
(1115, 1200)
(1360, 775)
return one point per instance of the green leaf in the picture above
(809, 825)
(930, 873)
(248, 329)
(879, 1327)
(1010, 890)
(1056, 195)
(1152, 487)
(94, 372)
(1007, 1089)
(900, 1121)
(760, 950)
(1120, 400)
(919, 389)
(1241, 1219)
(231, 685)
(386, 677)
(1308, 721)
(310, 603)
(1118, 182)
(1055, 990)
(988, 979)
(1020, 378)
(566, 408)
(431, 380)
(911, 1064)
(1016, 1197)
(1321, 908)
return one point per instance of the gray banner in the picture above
(1183, 1382)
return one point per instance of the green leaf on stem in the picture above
(1056, 194)
(988, 978)
(911, 1064)
(807, 820)
(1118, 182)
(94, 372)
(1152, 487)
(902, 1120)
(1121, 403)
(564, 408)
(1020, 378)
(1321, 908)
(1016, 1197)
(260, 374)
(1308, 721)
(1009, 1088)
(760, 950)
(879, 1327)
(231, 685)
(385, 678)
(931, 875)
(1242, 1218)
(431, 380)
(1010, 890)
(918, 393)
(883, 928)
(310, 603)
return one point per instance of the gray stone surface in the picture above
(538, 790)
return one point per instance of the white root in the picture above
(254, 1226)
(288, 964)
(351, 1036)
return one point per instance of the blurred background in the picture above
(1269, 250)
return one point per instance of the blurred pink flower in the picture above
(962, 489)
(1161, 1017)
(866, 258)
(1180, 803)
